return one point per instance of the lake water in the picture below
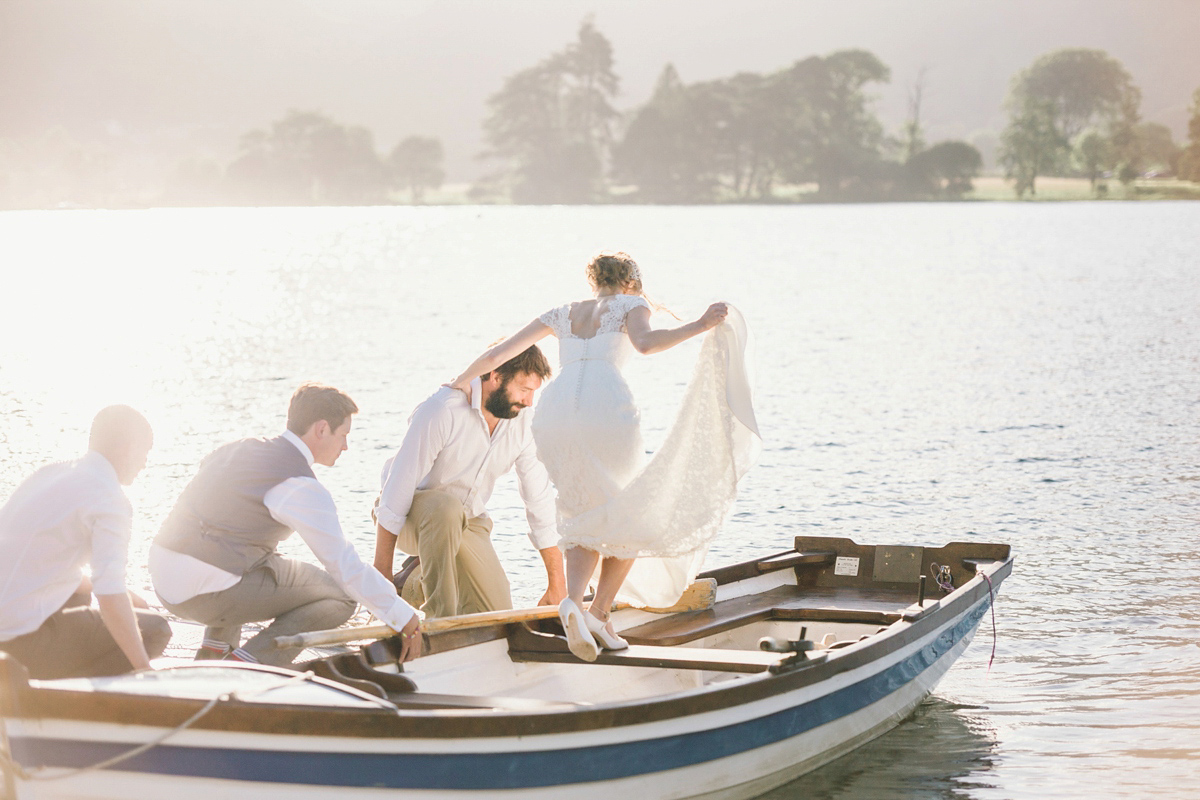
(925, 373)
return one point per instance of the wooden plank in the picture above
(811, 559)
(803, 559)
(662, 658)
(699, 595)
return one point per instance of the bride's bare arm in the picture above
(493, 357)
(646, 340)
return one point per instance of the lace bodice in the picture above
(602, 345)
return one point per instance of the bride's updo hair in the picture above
(616, 271)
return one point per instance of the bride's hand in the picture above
(461, 385)
(714, 316)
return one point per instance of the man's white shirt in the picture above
(448, 448)
(59, 519)
(307, 507)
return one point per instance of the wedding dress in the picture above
(667, 511)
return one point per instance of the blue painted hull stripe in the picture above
(511, 770)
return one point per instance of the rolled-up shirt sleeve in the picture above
(111, 523)
(305, 506)
(428, 431)
(537, 492)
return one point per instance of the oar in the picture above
(699, 596)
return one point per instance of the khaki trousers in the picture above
(299, 597)
(460, 572)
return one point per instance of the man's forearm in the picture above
(117, 612)
(385, 550)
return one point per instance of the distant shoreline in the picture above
(988, 188)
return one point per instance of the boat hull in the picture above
(720, 741)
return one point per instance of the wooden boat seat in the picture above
(663, 658)
(526, 645)
(867, 606)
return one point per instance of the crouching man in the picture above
(62, 517)
(215, 559)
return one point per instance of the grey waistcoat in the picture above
(220, 518)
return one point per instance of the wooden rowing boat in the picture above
(803, 656)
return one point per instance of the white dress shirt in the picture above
(62, 517)
(307, 507)
(448, 448)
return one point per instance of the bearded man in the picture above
(436, 488)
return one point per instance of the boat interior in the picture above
(783, 612)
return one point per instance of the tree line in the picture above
(554, 134)
(307, 158)
(559, 139)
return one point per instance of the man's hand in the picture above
(411, 640)
(556, 577)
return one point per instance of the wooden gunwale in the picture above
(97, 706)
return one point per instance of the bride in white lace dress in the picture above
(651, 522)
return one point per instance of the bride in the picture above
(652, 523)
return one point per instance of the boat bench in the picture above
(870, 607)
(660, 658)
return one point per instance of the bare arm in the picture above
(119, 618)
(646, 340)
(514, 345)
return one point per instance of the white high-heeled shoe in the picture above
(579, 639)
(599, 629)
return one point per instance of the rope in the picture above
(942, 577)
(9, 763)
(992, 604)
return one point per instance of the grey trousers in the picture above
(74, 643)
(460, 572)
(298, 597)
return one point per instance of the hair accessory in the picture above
(635, 274)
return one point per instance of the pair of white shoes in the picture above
(585, 633)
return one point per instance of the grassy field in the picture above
(997, 188)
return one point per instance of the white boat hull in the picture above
(735, 751)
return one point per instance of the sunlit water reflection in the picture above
(926, 373)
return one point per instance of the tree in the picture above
(947, 168)
(1030, 145)
(1055, 99)
(740, 136)
(553, 123)
(914, 136)
(416, 165)
(664, 151)
(835, 136)
(307, 158)
(1189, 159)
(1157, 147)
(1092, 155)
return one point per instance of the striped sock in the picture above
(212, 649)
(241, 655)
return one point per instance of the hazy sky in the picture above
(171, 75)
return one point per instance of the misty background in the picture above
(149, 85)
